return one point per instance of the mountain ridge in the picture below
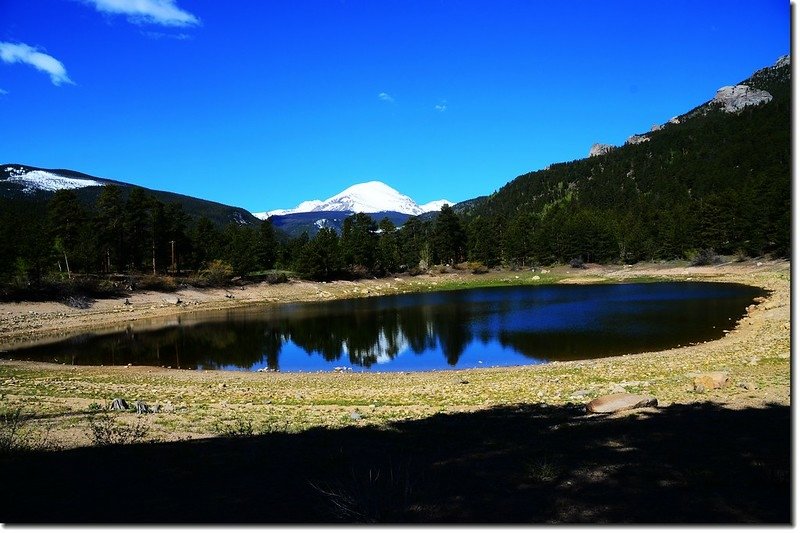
(38, 184)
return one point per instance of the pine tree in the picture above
(449, 238)
(388, 249)
(109, 227)
(65, 218)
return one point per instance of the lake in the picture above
(471, 328)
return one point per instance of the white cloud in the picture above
(163, 12)
(386, 97)
(22, 53)
(441, 107)
(3, 92)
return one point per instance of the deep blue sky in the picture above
(265, 104)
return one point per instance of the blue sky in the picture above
(265, 104)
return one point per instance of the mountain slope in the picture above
(715, 177)
(369, 197)
(37, 185)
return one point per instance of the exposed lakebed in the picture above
(500, 326)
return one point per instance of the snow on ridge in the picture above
(304, 207)
(435, 205)
(368, 197)
(41, 180)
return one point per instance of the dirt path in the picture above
(61, 400)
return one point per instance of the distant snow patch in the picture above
(436, 205)
(40, 180)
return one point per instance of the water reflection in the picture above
(479, 327)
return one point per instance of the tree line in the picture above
(142, 235)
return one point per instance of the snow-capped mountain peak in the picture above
(369, 197)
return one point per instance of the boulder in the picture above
(118, 404)
(710, 380)
(612, 403)
(616, 388)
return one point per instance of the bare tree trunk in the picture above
(66, 261)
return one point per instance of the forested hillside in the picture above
(712, 180)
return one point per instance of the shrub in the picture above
(370, 495)
(706, 257)
(577, 262)
(273, 278)
(16, 435)
(477, 267)
(105, 431)
(157, 283)
(239, 427)
(360, 272)
(217, 272)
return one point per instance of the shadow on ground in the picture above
(517, 464)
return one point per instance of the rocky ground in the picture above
(485, 445)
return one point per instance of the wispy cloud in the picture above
(3, 92)
(163, 12)
(156, 35)
(441, 107)
(386, 97)
(23, 53)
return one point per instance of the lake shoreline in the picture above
(62, 399)
(26, 323)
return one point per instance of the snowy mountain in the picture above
(369, 197)
(41, 180)
(36, 186)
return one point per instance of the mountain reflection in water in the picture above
(453, 329)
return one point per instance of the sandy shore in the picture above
(60, 400)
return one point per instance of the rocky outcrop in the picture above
(734, 98)
(600, 149)
(637, 139)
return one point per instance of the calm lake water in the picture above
(499, 326)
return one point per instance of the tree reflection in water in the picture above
(512, 325)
